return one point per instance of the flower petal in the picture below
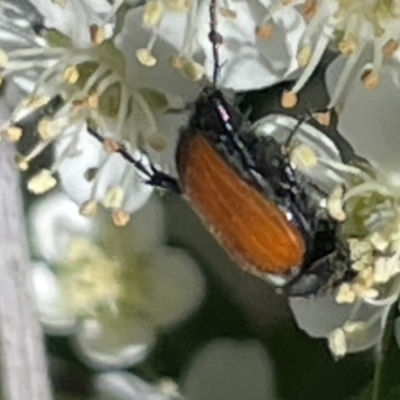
(53, 312)
(162, 77)
(362, 325)
(177, 287)
(248, 62)
(124, 386)
(54, 220)
(90, 155)
(114, 341)
(75, 18)
(370, 118)
(230, 370)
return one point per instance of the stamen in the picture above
(24, 160)
(303, 157)
(265, 31)
(42, 182)
(190, 31)
(146, 58)
(121, 218)
(147, 114)
(390, 47)
(319, 50)
(13, 133)
(153, 13)
(71, 74)
(335, 204)
(122, 113)
(88, 208)
(344, 77)
(114, 197)
(97, 34)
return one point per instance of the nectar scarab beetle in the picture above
(244, 188)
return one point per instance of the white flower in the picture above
(123, 386)
(226, 369)
(253, 53)
(92, 176)
(223, 369)
(353, 314)
(82, 74)
(354, 26)
(369, 119)
(74, 18)
(112, 289)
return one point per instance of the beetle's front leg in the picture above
(154, 176)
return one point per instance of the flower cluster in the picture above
(128, 72)
(113, 289)
(82, 78)
(366, 203)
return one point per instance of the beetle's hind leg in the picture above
(152, 175)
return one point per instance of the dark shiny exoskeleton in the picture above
(264, 164)
(220, 161)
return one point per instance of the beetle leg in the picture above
(154, 176)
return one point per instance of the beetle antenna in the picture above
(215, 39)
(305, 118)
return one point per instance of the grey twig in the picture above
(23, 360)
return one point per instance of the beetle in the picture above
(245, 190)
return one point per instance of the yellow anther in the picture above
(385, 268)
(177, 62)
(93, 101)
(378, 241)
(114, 197)
(21, 162)
(337, 342)
(289, 99)
(71, 74)
(42, 182)
(359, 248)
(310, 8)
(146, 58)
(303, 157)
(348, 47)
(97, 34)
(265, 31)
(88, 208)
(120, 217)
(13, 133)
(47, 129)
(153, 13)
(79, 104)
(323, 118)
(345, 294)
(193, 70)
(335, 204)
(370, 79)
(390, 47)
